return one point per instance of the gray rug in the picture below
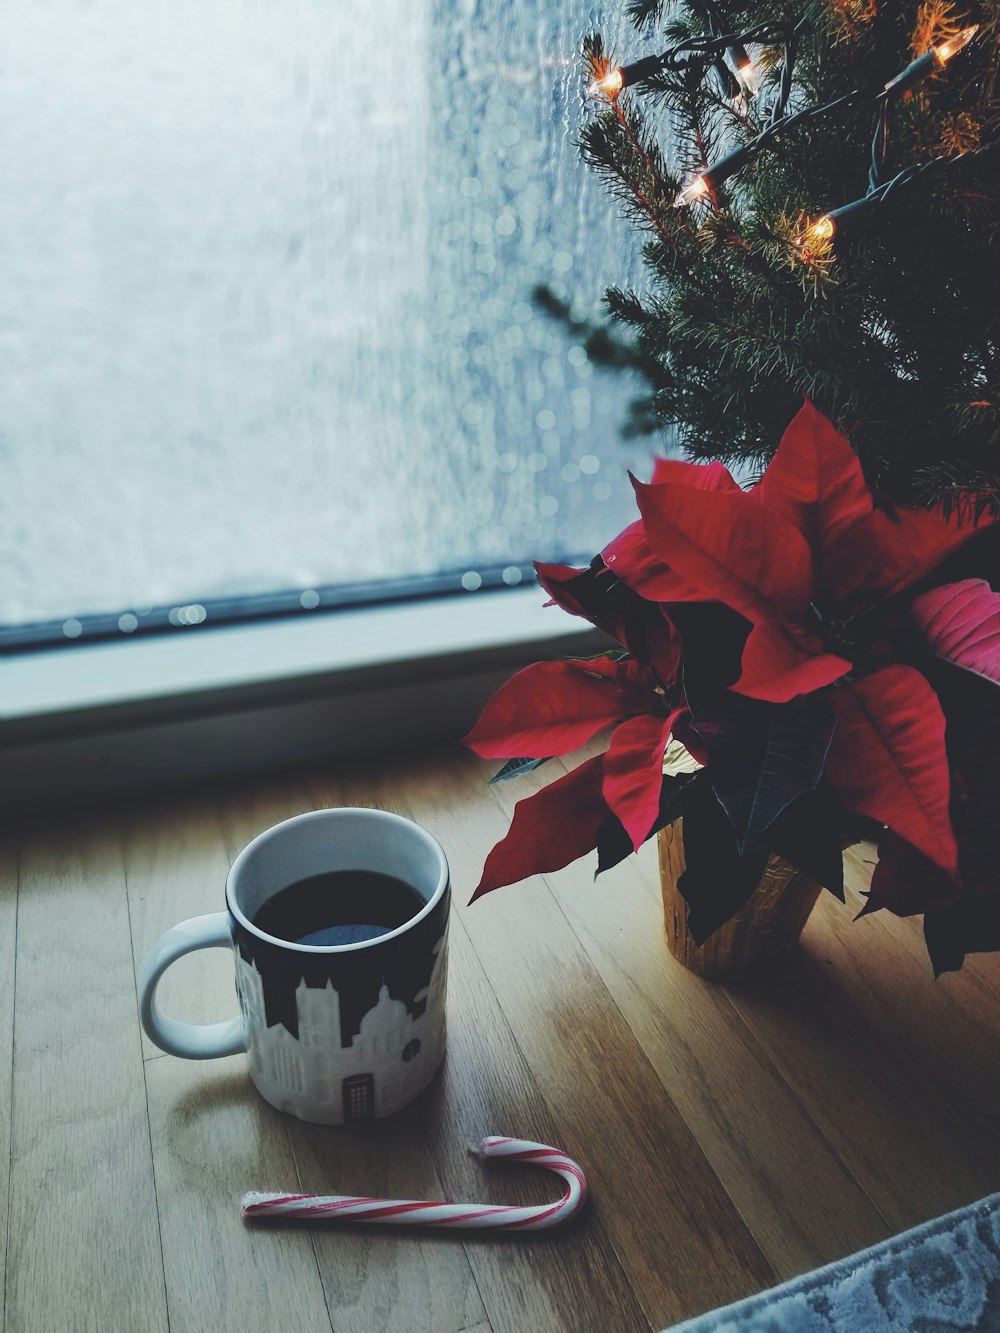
(942, 1277)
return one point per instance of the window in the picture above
(269, 330)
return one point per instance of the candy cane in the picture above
(416, 1212)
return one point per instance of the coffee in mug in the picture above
(339, 921)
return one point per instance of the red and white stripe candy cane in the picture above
(425, 1213)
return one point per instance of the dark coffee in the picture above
(339, 907)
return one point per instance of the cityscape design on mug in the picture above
(327, 1073)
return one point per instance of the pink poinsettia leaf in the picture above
(731, 549)
(961, 623)
(905, 882)
(815, 481)
(762, 756)
(552, 708)
(549, 829)
(887, 759)
(633, 773)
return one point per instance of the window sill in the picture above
(86, 723)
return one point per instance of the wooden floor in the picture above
(731, 1138)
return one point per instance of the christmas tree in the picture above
(821, 191)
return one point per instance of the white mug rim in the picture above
(376, 816)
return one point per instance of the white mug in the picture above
(334, 1033)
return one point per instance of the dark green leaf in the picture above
(810, 833)
(513, 768)
(971, 925)
(762, 756)
(717, 880)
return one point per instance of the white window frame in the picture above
(85, 723)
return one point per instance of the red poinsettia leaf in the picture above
(961, 623)
(891, 550)
(731, 549)
(633, 773)
(780, 661)
(815, 481)
(905, 882)
(702, 476)
(549, 829)
(552, 708)
(887, 759)
(633, 561)
(557, 581)
(602, 598)
(681, 730)
(614, 844)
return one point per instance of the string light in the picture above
(609, 85)
(822, 229)
(706, 182)
(827, 226)
(696, 188)
(931, 61)
(708, 52)
(946, 50)
(748, 75)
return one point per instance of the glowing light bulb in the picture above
(822, 229)
(608, 85)
(946, 50)
(749, 77)
(695, 189)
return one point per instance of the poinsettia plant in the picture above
(830, 661)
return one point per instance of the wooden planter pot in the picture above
(764, 932)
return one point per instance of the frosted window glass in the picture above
(267, 317)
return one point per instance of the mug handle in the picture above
(193, 1041)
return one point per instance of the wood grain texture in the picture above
(214, 1139)
(175, 867)
(731, 1135)
(804, 1207)
(843, 1021)
(613, 1112)
(388, 1281)
(84, 1248)
(565, 1280)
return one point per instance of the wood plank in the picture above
(8, 940)
(213, 1139)
(838, 1021)
(568, 1279)
(246, 811)
(84, 1246)
(653, 1188)
(929, 1014)
(779, 1170)
(381, 1282)
(175, 867)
